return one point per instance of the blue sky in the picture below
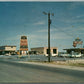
(27, 18)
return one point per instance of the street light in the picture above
(49, 22)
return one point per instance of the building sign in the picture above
(74, 43)
(77, 41)
(23, 43)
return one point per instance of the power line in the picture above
(63, 31)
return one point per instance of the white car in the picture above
(76, 55)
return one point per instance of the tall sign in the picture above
(23, 45)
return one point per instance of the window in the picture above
(23, 37)
(11, 46)
(54, 51)
(47, 51)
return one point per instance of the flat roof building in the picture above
(81, 50)
(7, 50)
(44, 51)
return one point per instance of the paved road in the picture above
(14, 72)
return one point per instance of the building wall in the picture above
(75, 50)
(43, 50)
(40, 50)
(7, 50)
(10, 48)
(51, 50)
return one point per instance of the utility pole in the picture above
(49, 22)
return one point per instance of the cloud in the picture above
(13, 38)
(39, 23)
(60, 36)
(73, 20)
(37, 37)
(79, 16)
(46, 30)
(75, 5)
(42, 30)
(55, 33)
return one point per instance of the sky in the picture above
(27, 18)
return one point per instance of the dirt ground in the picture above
(70, 62)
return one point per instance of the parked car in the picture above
(75, 54)
(63, 54)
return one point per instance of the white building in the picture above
(44, 51)
(7, 50)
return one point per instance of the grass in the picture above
(77, 64)
(67, 63)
